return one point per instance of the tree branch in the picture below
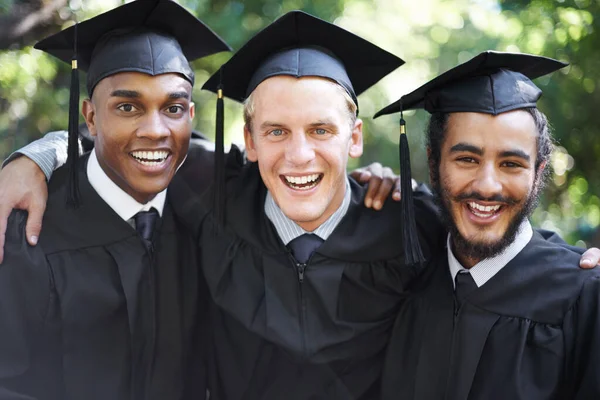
(28, 21)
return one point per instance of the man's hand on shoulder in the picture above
(381, 181)
(590, 258)
(22, 186)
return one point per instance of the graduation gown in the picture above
(282, 333)
(531, 332)
(89, 313)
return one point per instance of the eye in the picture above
(276, 132)
(175, 109)
(126, 107)
(320, 131)
(511, 164)
(466, 160)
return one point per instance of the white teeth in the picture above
(485, 209)
(301, 180)
(295, 181)
(150, 157)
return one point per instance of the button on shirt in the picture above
(121, 202)
(288, 230)
(484, 270)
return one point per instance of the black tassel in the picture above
(410, 237)
(73, 195)
(219, 181)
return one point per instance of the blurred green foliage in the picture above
(431, 36)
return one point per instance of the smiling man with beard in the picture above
(505, 315)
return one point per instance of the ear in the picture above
(250, 145)
(89, 114)
(540, 172)
(192, 110)
(356, 140)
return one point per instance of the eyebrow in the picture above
(125, 93)
(133, 94)
(269, 124)
(466, 147)
(515, 153)
(321, 123)
(479, 151)
(179, 95)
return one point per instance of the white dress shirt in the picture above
(288, 230)
(122, 203)
(484, 270)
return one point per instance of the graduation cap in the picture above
(299, 45)
(491, 82)
(149, 36)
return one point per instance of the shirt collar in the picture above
(484, 270)
(288, 230)
(122, 203)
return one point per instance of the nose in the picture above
(299, 149)
(487, 182)
(153, 126)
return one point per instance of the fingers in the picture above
(4, 213)
(397, 195)
(34, 221)
(590, 258)
(361, 175)
(374, 183)
(384, 190)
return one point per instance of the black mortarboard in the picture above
(491, 83)
(149, 36)
(297, 44)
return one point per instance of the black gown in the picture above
(531, 332)
(279, 334)
(89, 313)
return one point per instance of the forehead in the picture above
(294, 96)
(144, 83)
(513, 129)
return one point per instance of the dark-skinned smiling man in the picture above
(109, 304)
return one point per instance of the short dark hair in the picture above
(438, 123)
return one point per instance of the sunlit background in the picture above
(430, 35)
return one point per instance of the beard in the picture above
(479, 250)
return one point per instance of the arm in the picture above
(23, 179)
(381, 181)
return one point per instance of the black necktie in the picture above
(144, 224)
(465, 284)
(304, 246)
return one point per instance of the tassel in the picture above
(219, 179)
(410, 238)
(73, 195)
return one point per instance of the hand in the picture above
(590, 258)
(23, 186)
(381, 180)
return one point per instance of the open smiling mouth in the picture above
(482, 211)
(305, 182)
(150, 158)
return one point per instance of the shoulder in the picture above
(369, 235)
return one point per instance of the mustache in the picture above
(478, 196)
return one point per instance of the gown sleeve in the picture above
(25, 345)
(582, 333)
